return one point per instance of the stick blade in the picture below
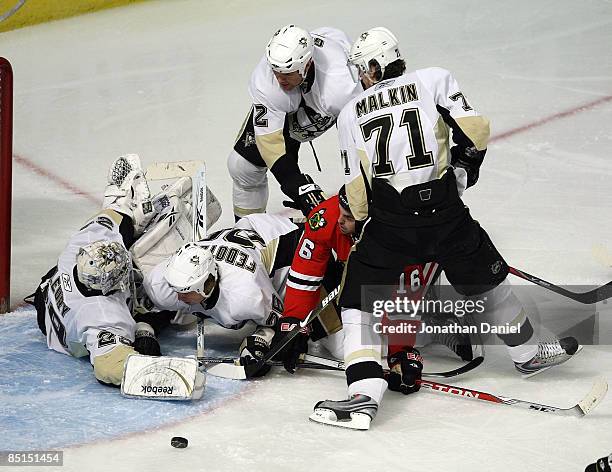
(594, 397)
(227, 371)
(172, 170)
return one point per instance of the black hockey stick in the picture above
(596, 295)
(339, 365)
(239, 372)
(580, 409)
(309, 361)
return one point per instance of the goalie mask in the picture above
(104, 266)
(289, 50)
(378, 47)
(192, 269)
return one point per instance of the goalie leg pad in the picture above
(162, 378)
(108, 368)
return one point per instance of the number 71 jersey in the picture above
(401, 126)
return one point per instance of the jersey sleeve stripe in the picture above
(305, 288)
(304, 277)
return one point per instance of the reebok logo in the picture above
(157, 390)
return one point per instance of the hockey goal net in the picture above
(6, 157)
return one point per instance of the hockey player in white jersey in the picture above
(403, 183)
(81, 303)
(298, 89)
(233, 276)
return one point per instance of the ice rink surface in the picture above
(168, 80)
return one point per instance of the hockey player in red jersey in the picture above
(318, 264)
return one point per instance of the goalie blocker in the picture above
(162, 378)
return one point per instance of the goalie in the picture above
(82, 303)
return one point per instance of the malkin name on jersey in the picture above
(386, 98)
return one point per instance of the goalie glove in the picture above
(405, 368)
(255, 347)
(469, 159)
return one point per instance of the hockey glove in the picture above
(470, 159)
(290, 354)
(254, 348)
(304, 192)
(405, 367)
(145, 342)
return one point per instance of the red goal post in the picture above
(6, 173)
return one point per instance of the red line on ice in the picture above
(59, 181)
(548, 119)
(28, 164)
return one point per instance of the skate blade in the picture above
(358, 421)
(544, 369)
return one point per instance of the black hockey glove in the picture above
(405, 367)
(290, 354)
(145, 342)
(252, 350)
(470, 159)
(304, 192)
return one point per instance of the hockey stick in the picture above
(239, 372)
(198, 223)
(172, 169)
(309, 361)
(580, 409)
(596, 295)
(306, 362)
(333, 364)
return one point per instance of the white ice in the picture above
(168, 80)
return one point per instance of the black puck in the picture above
(179, 442)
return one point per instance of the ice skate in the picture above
(459, 343)
(550, 354)
(355, 413)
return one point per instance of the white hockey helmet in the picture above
(192, 269)
(376, 44)
(104, 265)
(289, 50)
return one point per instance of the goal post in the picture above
(6, 177)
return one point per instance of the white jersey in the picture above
(399, 130)
(80, 321)
(310, 109)
(250, 258)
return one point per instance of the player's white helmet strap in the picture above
(377, 44)
(104, 266)
(289, 50)
(190, 269)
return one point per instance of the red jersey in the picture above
(322, 239)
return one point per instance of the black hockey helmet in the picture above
(344, 199)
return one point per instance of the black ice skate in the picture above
(459, 343)
(602, 465)
(550, 354)
(355, 413)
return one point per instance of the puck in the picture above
(179, 442)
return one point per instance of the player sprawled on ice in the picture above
(317, 268)
(82, 303)
(233, 276)
(404, 184)
(298, 89)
